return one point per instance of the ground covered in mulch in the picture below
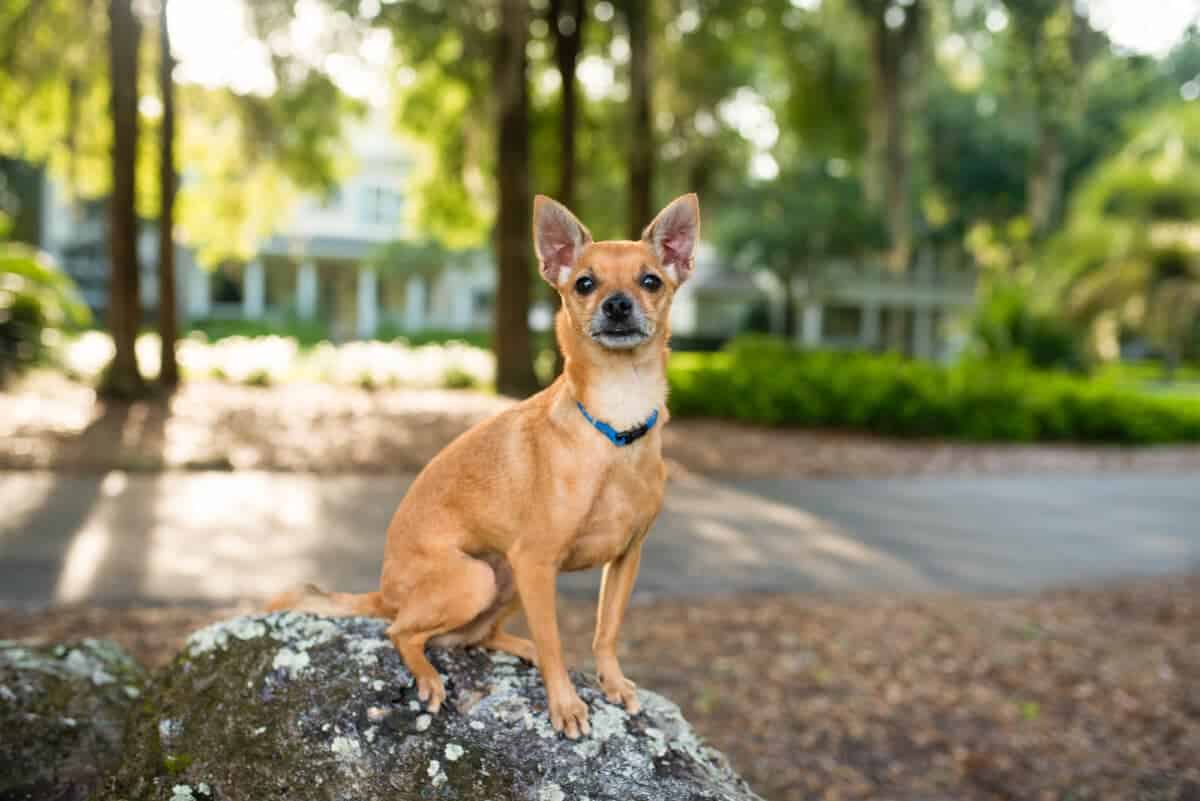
(51, 422)
(1081, 694)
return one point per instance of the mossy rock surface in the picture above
(292, 706)
(62, 717)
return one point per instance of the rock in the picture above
(62, 714)
(297, 707)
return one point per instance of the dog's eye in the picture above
(585, 284)
(650, 282)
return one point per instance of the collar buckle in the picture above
(620, 438)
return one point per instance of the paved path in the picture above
(165, 537)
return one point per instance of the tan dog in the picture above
(570, 479)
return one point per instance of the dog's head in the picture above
(616, 294)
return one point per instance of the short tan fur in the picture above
(489, 523)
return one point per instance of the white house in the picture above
(323, 263)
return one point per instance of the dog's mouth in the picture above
(620, 337)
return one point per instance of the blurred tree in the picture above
(700, 108)
(567, 19)
(638, 18)
(795, 225)
(1131, 247)
(465, 60)
(514, 256)
(168, 322)
(122, 378)
(1049, 45)
(55, 99)
(895, 35)
(821, 57)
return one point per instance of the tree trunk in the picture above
(514, 257)
(1044, 186)
(566, 18)
(893, 64)
(168, 323)
(122, 378)
(791, 317)
(566, 22)
(641, 156)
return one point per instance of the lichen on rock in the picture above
(62, 713)
(337, 717)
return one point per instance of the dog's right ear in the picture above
(558, 237)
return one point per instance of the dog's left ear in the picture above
(673, 236)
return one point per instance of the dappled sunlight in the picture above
(268, 360)
(198, 549)
(78, 578)
(758, 539)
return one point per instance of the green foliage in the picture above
(1131, 247)
(789, 224)
(306, 332)
(425, 258)
(35, 297)
(767, 382)
(434, 336)
(1007, 325)
(456, 378)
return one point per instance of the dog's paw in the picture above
(569, 715)
(620, 690)
(432, 692)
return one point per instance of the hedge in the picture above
(767, 382)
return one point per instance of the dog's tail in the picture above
(311, 598)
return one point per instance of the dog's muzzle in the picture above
(619, 323)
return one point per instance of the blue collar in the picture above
(620, 438)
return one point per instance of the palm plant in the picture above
(1131, 248)
(34, 296)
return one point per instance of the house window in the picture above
(381, 206)
(842, 322)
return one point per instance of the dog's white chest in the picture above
(626, 399)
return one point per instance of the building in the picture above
(325, 265)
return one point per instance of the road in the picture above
(211, 536)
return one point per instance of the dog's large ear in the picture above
(558, 237)
(673, 236)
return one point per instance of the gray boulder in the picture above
(62, 717)
(292, 706)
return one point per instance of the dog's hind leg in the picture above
(446, 598)
(497, 638)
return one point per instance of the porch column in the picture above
(368, 302)
(254, 291)
(414, 303)
(869, 333)
(923, 332)
(199, 295)
(810, 325)
(462, 301)
(306, 290)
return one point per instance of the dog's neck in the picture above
(623, 393)
(621, 388)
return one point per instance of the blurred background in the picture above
(935, 390)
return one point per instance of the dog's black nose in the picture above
(617, 307)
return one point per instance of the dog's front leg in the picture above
(535, 584)
(615, 589)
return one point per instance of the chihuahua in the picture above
(569, 479)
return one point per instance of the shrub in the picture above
(35, 299)
(768, 382)
(1007, 324)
